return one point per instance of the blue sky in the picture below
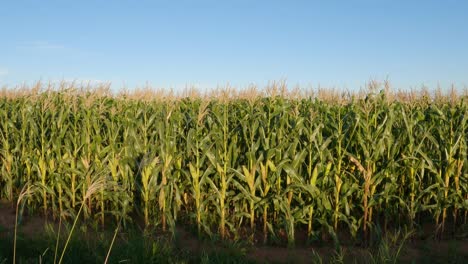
(170, 44)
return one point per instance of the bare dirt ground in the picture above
(415, 249)
(30, 226)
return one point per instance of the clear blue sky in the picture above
(172, 43)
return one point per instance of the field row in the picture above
(260, 167)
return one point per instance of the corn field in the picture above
(260, 166)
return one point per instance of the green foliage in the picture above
(256, 167)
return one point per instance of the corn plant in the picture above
(237, 164)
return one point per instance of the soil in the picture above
(30, 225)
(414, 249)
